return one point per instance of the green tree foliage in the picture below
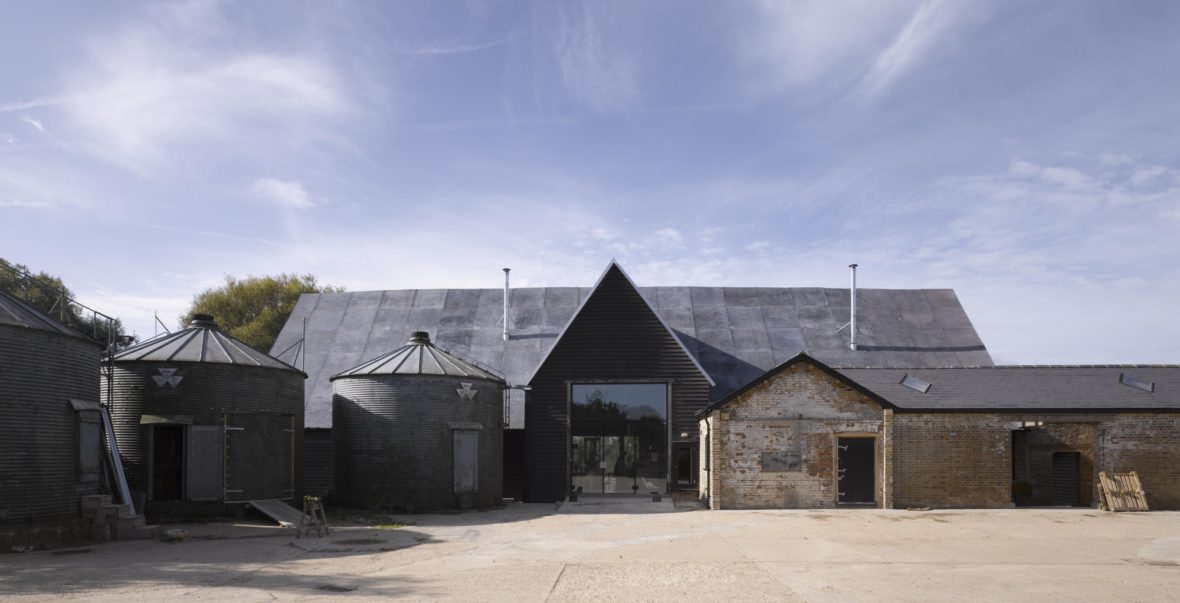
(254, 309)
(50, 295)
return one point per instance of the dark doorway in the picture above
(1065, 478)
(686, 464)
(514, 463)
(854, 470)
(167, 462)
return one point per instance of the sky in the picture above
(1024, 153)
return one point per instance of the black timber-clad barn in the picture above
(615, 338)
(598, 359)
(50, 431)
(206, 423)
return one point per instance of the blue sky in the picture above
(1023, 153)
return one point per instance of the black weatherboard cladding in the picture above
(614, 337)
(40, 372)
(206, 393)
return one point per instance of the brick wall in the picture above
(774, 446)
(1148, 443)
(966, 459)
(951, 460)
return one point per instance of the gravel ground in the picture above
(606, 550)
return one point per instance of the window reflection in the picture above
(619, 437)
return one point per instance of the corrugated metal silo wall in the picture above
(317, 462)
(206, 393)
(39, 373)
(615, 337)
(393, 441)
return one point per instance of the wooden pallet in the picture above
(1121, 492)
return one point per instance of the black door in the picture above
(686, 456)
(167, 462)
(854, 470)
(1065, 478)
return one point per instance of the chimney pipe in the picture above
(852, 310)
(506, 270)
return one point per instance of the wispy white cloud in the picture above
(159, 83)
(33, 123)
(593, 65)
(44, 101)
(9, 138)
(284, 193)
(441, 49)
(930, 22)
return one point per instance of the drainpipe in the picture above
(852, 309)
(506, 270)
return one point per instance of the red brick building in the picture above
(806, 435)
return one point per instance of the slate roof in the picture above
(201, 342)
(1026, 388)
(16, 313)
(734, 333)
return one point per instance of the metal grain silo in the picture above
(418, 430)
(206, 422)
(50, 429)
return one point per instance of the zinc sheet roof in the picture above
(734, 333)
(14, 312)
(202, 344)
(419, 358)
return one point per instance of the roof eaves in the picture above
(793, 360)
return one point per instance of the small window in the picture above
(915, 384)
(1137, 383)
(466, 461)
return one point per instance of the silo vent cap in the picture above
(419, 337)
(203, 321)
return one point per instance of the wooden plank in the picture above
(1122, 492)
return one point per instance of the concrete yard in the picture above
(599, 549)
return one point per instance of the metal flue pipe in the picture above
(852, 310)
(506, 270)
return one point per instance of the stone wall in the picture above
(775, 445)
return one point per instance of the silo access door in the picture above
(258, 457)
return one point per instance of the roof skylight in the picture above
(1137, 383)
(915, 384)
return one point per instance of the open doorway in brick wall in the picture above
(1053, 464)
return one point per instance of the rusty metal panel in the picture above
(203, 463)
(258, 457)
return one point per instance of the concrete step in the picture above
(133, 528)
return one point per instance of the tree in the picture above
(254, 309)
(50, 295)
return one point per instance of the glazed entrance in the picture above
(619, 438)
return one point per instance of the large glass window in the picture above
(619, 437)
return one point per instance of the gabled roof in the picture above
(418, 357)
(615, 267)
(1027, 388)
(202, 342)
(734, 333)
(800, 358)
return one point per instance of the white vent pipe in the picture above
(852, 310)
(506, 270)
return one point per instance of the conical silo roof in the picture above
(201, 342)
(419, 357)
(17, 313)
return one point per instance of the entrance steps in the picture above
(114, 521)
